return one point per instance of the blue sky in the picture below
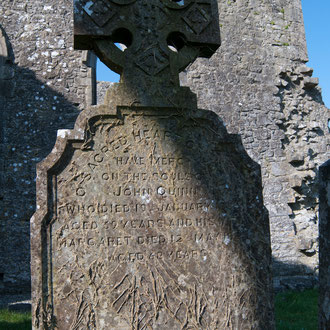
(103, 73)
(317, 26)
(316, 19)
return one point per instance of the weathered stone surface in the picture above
(155, 51)
(46, 84)
(149, 216)
(258, 83)
(260, 40)
(102, 87)
(154, 219)
(147, 29)
(324, 229)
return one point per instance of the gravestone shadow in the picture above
(31, 112)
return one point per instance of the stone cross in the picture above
(162, 36)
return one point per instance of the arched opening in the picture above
(89, 59)
(103, 73)
(99, 77)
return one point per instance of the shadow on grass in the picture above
(10, 320)
(23, 325)
(296, 310)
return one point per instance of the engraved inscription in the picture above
(140, 226)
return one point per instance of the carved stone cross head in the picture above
(160, 37)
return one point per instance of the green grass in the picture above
(15, 320)
(294, 311)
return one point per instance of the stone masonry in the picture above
(257, 82)
(43, 83)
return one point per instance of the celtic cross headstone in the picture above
(147, 28)
(149, 214)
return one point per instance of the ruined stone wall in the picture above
(43, 84)
(259, 84)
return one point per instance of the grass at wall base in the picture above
(294, 311)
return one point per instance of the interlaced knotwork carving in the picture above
(162, 36)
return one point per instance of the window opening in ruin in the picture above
(89, 60)
(122, 38)
(103, 73)
(2, 276)
(105, 78)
